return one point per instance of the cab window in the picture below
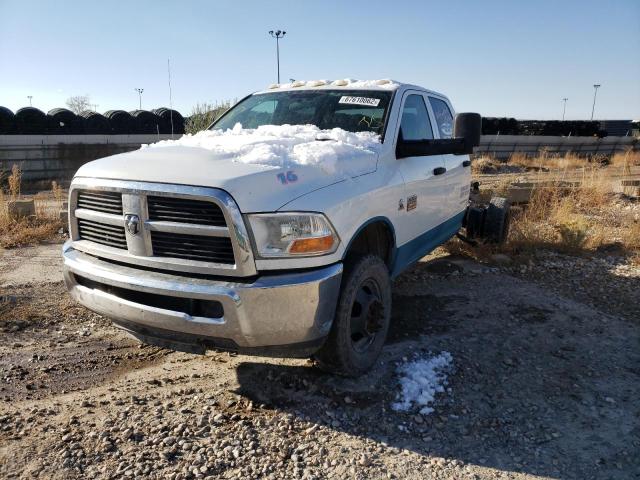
(444, 119)
(415, 123)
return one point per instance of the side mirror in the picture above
(468, 126)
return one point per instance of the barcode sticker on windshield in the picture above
(369, 102)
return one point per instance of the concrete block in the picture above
(519, 195)
(629, 187)
(21, 208)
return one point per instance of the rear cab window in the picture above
(443, 116)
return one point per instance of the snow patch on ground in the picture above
(283, 145)
(420, 381)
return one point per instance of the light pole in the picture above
(277, 34)
(564, 108)
(30, 97)
(139, 90)
(595, 92)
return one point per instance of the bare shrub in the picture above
(79, 103)
(573, 233)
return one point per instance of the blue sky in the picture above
(499, 58)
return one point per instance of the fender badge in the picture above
(412, 202)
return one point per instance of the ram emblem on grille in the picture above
(132, 222)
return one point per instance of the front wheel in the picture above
(362, 318)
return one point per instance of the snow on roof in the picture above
(282, 145)
(348, 83)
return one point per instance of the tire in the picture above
(353, 346)
(496, 221)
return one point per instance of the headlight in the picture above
(292, 234)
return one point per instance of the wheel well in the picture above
(375, 238)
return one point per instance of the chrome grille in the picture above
(170, 227)
(192, 247)
(100, 201)
(102, 233)
(181, 210)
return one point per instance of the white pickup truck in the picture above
(278, 230)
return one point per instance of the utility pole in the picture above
(595, 92)
(95, 107)
(564, 108)
(139, 90)
(277, 34)
(30, 97)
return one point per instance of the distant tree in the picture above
(204, 114)
(79, 103)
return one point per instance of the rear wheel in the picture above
(362, 318)
(496, 221)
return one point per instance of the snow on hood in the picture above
(262, 168)
(283, 145)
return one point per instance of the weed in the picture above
(58, 192)
(15, 181)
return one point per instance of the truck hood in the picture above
(256, 187)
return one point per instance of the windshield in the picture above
(351, 110)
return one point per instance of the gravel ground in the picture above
(545, 384)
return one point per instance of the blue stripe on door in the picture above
(415, 249)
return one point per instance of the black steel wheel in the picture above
(362, 318)
(367, 315)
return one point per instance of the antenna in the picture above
(170, 99)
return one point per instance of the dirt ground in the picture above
(546, 384)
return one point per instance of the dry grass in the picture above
(29, 231)
(44, 226)
(547, 161)
(583, 219)
(626, 159)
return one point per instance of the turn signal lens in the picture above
(311, 245)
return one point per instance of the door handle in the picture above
(466, 163)
(439, 170)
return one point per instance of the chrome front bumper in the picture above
(284, 315)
